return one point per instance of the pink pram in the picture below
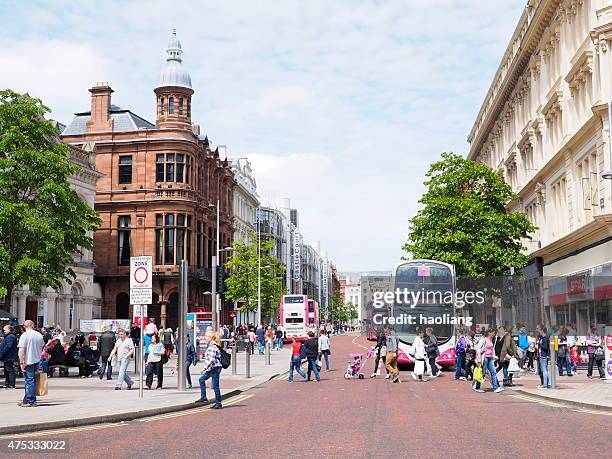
(356, 364)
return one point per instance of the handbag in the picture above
(478, 376)
(513, 366)
(599, 354)
(42, 388)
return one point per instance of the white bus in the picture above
(294, 317)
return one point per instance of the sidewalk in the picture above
(577, 390)
(74, 401)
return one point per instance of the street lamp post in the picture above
(215, 260)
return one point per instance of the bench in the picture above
(63, 370)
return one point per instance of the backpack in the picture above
(226, 358)
(460, 348)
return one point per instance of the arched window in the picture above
(180, 105)
(163, 101)
(122, 310)
(171, 105)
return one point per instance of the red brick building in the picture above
(157, 195)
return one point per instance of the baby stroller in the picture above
(356, 364)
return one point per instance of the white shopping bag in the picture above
(513, 367)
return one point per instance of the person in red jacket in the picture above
(574, 358)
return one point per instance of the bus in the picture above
(436, 282)
(294, 315)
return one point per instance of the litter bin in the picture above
(240, 345)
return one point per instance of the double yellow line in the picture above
(560, 405)
(230, 402)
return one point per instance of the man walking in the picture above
(261, 338)
(460, 351)
(392, 344)
(8, 354)
(124, 348)
(106, 344)
(312, 353)
(30, 346)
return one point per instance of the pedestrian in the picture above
(595, 353)
(563, 358)
(279, 338)
(9, 355)
(154, 365)
(261, 338)
(124, 349)
(106, 343)
(60, 334)
(507, 351)
(251, 343)
(392, 347)
(544, 351)
(151, 328)
(431, 347)
(270, 337)
(212, 369)
(296, 360)
(531, 350)
(168, 341)
(486, 348)
(381, 353)
(523, 346)
(30, 348)
(460, 353)
(191, 358)
(135, 334)
(324, 347)
(312, 353)
(470, 355)
(418, 349)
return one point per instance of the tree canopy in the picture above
(44, 224)
(465, 221)
(242, 280)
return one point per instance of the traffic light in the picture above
(220, 280)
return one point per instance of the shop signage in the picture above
(576, 285)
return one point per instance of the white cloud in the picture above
(345, 103)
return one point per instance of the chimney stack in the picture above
(100, 120)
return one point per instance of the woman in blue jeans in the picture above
(212, 369)
(544, 348)
(486, 352)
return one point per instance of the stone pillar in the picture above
(51, 308)
(21, 306)
(162, 316)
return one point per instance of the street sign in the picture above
(137, 310)
(141, 281)
(140, 273)
(141, 296)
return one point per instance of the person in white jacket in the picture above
(324, 347)
(418, 349)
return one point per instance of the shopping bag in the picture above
(41, 385)
(513, 366)
(478, 376)
(419, 367)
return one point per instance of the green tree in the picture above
(464, 220)
(43, 222)
(338, 308)
(243, 271)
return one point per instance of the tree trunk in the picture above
(8, 299)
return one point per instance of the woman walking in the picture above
(418, 349)
(212, 369)
(154, 365)
(544, 351)
(381, 353)
(487, 350)
(324, 347)
(296, 360)
(595, 353)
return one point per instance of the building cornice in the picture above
(518, 56)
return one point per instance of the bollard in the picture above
(268, 362)
(248, 364)
(234, 365)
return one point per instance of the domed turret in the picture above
(173, 73)
(174, 89)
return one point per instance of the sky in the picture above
(341, 106)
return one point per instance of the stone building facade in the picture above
(544, 125)
(80, 299)
(158, 194)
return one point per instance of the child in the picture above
(574, 358)
(531, 339)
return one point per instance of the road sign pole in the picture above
(141, 356)
(182, 336)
